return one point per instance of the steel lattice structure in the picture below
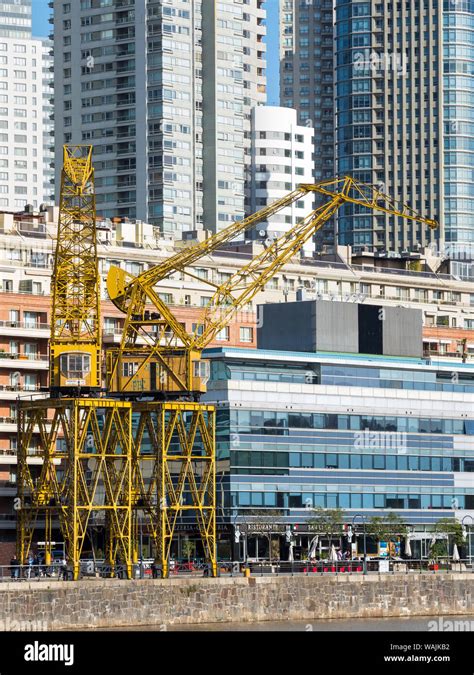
(175, 473)
(165, 357)
(86, 448)
(149, 449)
(85, 443)
(75, 316)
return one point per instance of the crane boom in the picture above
(75, 342)
(120, 284)
(244, 284)
(157, 355)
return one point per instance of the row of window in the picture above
(308, 500)
(321, 460)
(256, 421)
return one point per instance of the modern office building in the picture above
(307, 64)
(25, 154)
(282, 159)
(367, 434)
(164, 93)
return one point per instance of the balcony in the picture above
(24, 329)
(12, 391)
(24, 361)
(434, 353)
(9, 456)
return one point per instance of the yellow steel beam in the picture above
(86, 447)
(75, 316)
(175, 473)
(165, 344)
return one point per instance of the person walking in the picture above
(30, 566)
(14, 567)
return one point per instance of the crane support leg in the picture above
(175, 472)
(85, 475)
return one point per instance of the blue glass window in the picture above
(244, 498)
(344, 501)
(356, 462)
(367, 501)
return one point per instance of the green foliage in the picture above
(188, 547)
(452, 528)
(387, 528)
(439, 550)
(327, 522)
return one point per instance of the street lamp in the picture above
(359, 515)
(468, 536)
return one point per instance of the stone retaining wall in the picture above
(107, 603)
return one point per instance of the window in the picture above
(198, 329)
(75, 366)
(223, 334)
(30, 350)
(129, 369)
(246, 334)
(31, 319)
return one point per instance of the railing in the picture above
(24, 324)
(149, 570)
(358, 566)
(28, 357)
(19, 387)
(30, 292)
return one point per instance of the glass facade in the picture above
(277, 455)
(388, 111)
(458, 80)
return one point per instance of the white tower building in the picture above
(282, 159)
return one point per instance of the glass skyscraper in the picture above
(458, 126)
(389, 116)
(402, 112)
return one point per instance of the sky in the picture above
(41, 28)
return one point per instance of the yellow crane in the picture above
(75, 342)
(85, 439)
(159, 359)
(157, 355)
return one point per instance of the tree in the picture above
(451, 527)
(327, 522)
(438, 550)
(188, 548)
(387, 528)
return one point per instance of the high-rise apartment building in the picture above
(164, 92)
(24, 104)
(15, 19)
(402, 93)
(307, 79)
(389, 116)
(48, 121)
(282, 159)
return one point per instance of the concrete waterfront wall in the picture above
(107, 603)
